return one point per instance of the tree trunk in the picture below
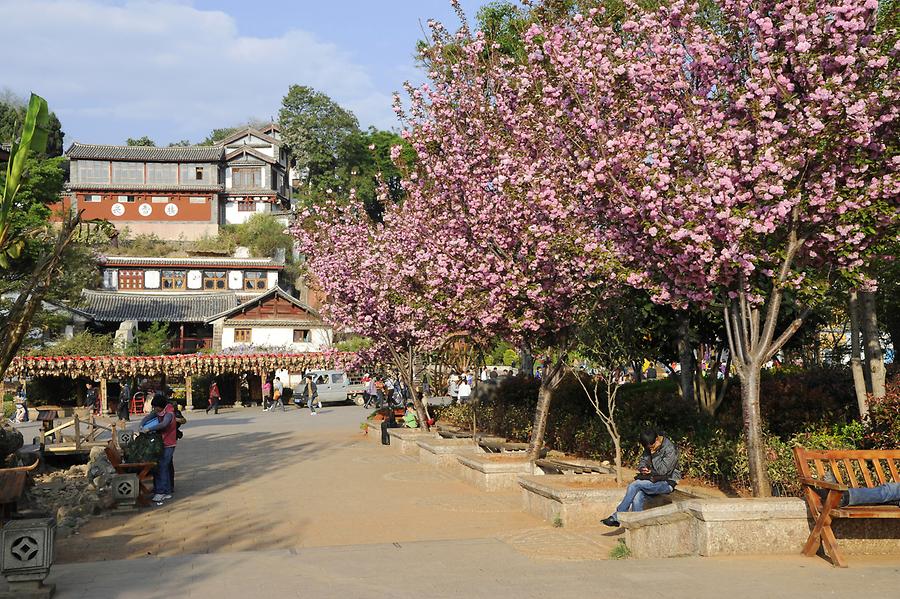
(549, 382)
(638, 372)
(526, 360)
(872, 343)
(617, 444)
(859, 379)
(406, 366)
(756, 449)
(685, 357)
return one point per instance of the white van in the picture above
(334, 386)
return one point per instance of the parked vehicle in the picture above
(334, 386)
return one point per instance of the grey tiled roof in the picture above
(111, 261)
(111, 306)
(144, 153)
(145, 187)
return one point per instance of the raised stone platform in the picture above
(710, 527)
(573, 499)
(580, 499)
(495, 472)
(406, 439)
(442, 453)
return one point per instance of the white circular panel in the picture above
(171, 209)
(118, 209)
(145, 209)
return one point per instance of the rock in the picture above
(11, 440)
(106, 501)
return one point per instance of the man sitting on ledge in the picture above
(657, 474)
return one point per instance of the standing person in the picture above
(277, 394)
(162, 419)
(379, 392)
(370, 392)
(123, 411)
(464, 391)
(657, 474)
(21, 404)
(453, 388)
(91, 397)
(214, 397)
(267, 393)
(311, 392)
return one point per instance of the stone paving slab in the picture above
(472, 568)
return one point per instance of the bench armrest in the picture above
(822, 484)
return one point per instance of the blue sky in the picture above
(177, 69)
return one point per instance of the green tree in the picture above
(12, 115)
(315, 128)
(154, 341)
(263, 234)
(84, 343)
(16, 321)
(180, 143)
(140, 141)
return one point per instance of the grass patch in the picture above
(557, 522)
(620, 551)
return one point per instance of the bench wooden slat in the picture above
(851, 473)
(893, 469)
(867, 511)
(879, 471)
(864, 466)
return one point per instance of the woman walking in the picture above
(213, 398)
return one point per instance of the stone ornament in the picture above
(125, 491)
(125, 437)
(27, 556)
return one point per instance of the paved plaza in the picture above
(293, 505)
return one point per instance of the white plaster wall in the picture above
(233, 216)
(151, 279)
(235, 279)
(280, 337)
(194, 279)
(272, 281)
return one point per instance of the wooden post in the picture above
(77, 433)
(104, 398)
(188, 392)
(237, 389)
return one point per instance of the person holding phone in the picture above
(657, 474)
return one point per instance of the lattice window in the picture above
(93, 171)
(131, 279)
(301, 336)
(162, 173)
(128, 172)
(214, 279)
(175, 280)
(242, 335)
(246, 206)
(254, 280)
(246, 178)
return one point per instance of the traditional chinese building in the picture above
(181, 192)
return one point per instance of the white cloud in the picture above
(168, 66)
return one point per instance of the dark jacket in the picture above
(663, 463)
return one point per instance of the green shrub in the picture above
(9, 407)
(882, 427)
(620, 551)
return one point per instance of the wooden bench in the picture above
(142, 469)
(850, 469)
(12, 485)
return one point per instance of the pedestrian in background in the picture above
(214, 398)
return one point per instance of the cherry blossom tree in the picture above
(734, 154)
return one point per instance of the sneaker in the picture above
(158, 497)
(611, 521)
(166, 496)
(313, 413)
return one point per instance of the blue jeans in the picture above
(637, 494)
(886, 493)
(162, 480)
(311, 403)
